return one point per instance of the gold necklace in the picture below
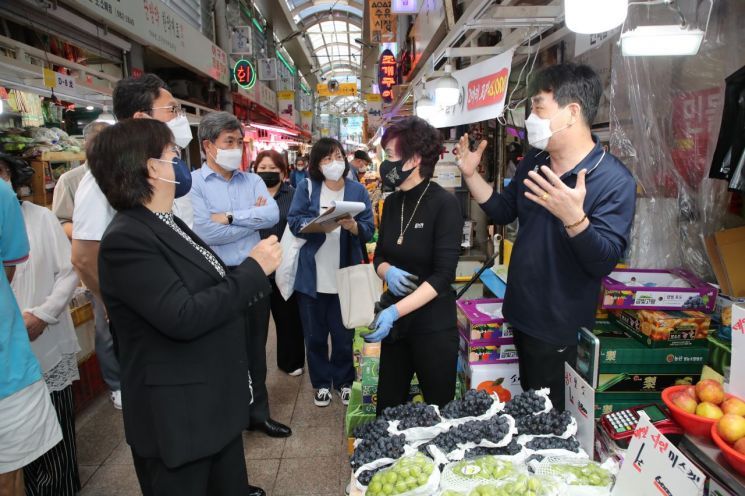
(400, 239)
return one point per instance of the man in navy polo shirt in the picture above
(575, 204)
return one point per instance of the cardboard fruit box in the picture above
(664, 329)
(649, 289)
(643, 383)
(485, 352)
(621, 354)
(481, 319)
(500, 378)
(608, 402)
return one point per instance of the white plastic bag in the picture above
(359, 289)
(287, 270)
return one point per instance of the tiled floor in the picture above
(311, 462)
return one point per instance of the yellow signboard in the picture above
(373, 97)
(344, 89)
(285, 95)
(50, 78)
(382, 21)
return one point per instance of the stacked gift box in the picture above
(488, 358)
(656, 335)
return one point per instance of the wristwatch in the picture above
(229, 215)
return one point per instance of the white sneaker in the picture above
(322, 397)
(116, 398)
(296, 372)
(344, 394)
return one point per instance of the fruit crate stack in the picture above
(488, 359)
(655, 336)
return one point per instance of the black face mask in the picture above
(393, 173)
(271, 179)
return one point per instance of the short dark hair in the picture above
(570, 83)
(362, 155)
(275, 157)
(322, 149)
(133, 95)
(118, 160)
(20, 171)
(416, 137)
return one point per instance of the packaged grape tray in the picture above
(411, 475)
(582, 477)
(466, 475)
(570, 431)
(495, 409)
(553, 451)
(459, 453)
(522, 485)
(416, 436)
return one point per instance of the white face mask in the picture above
(334, 170)
(230, 159)
(539, 130)
(181, 130)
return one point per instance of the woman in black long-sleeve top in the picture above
(417, 254)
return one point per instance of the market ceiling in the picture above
(325, 46)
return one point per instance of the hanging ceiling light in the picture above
(425, 107)
(447, 89)
(666, 40)
(594, 16)
(106, 116)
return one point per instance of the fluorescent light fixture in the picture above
(274, 129)
(665, 40)
(425, 108)
(447, 89)
(594, 16)
(89, 107)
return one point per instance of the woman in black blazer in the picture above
(177, 317)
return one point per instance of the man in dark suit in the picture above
(179, 317)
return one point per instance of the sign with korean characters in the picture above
(387, 75)
(653, 466)
(306, 120)
(156, 25)
(344, 89)
(737, 370)
(244, 74)
(60, 82)
(483, 88)
(382, 22)
(241, 40)
(286, 105)
(579, 400)
(374, 103)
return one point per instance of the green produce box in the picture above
(658, 329)
(720, 354)
(370, 397)
(356, 415)
(619, 353)
(643, 382)
(608, 402)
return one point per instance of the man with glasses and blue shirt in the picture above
(575, 203)
(144, 97)
(230, 207)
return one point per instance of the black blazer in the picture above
(181, 335)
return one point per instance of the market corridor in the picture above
(312, 462)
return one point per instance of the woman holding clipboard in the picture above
(323, 254)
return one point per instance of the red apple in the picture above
(735, 406)
(709, 410)
(731, 428)
(691, 391)
(684, 401)
(710, 391)
(740, 446)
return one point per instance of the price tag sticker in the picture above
(654, 466)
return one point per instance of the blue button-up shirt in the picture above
(212, 194)
(554, 280)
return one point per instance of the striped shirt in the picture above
(284, 200)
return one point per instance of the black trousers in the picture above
(542, 365)
(55, 473)
(433, 357)
(222, 474)
(257, 319)
(290, 341)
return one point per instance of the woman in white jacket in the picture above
(43, 287)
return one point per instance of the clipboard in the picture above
(327, 221)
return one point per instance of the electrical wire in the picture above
(511, 106)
